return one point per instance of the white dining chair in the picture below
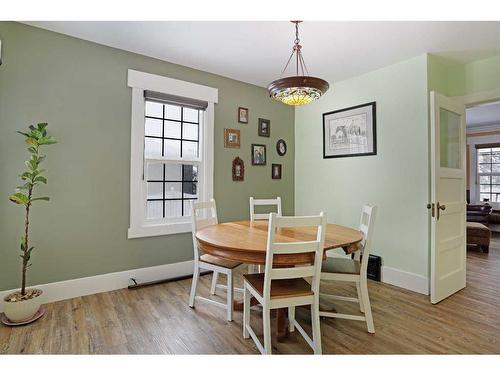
(286, 287)
(263, 202)
(252, 268)
(209, 262)
(353, 270)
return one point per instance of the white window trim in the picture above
(140, 81)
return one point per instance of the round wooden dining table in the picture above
(246, 242)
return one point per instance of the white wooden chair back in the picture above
(203, 214)
(263, 202)
(315, 246)
(366, 225)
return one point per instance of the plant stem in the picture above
(25, 253)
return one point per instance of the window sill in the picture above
(159, 230)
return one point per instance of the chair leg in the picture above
(266, 319)
(366, 304)
(230, 296)
(246, 312)
(316, 328)
(194, 284)
(360, 300)
(291, 318)
(215, 276)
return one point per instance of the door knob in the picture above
(441, 207)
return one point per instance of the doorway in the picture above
(455, 162)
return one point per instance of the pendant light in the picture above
(299, 89)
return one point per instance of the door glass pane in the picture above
(449, 139)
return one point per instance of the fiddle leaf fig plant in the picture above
(31, 178)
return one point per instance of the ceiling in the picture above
(485, 114)
(256, 52)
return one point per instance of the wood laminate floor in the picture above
(157, 319)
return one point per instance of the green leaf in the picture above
(40, 179)
(41, 128)
(19, 198)
(25, 134)
(25, 175)
(47, 140)
(33, 163)
(40, 199)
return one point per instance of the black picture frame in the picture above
(281, 142)
(263, 159)
(243, 119)
(276, 176)
(264, 127)
(371, 108)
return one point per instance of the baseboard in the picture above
(406, 280)
(107, 282)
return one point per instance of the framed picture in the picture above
(258, 154)
(238, 169)
(243, 115)
(264, 127)
(276, 171)
(350, 132)
(231, 138)
(281, 147)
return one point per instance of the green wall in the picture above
(455, 79)
(396, 179)
(80, 89)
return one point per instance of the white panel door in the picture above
(448, 209)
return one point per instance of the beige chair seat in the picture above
(221, 262)
(283, 288)
(341, 265)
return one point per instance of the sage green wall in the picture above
(454, 79)
(80, 89)
(396, 179)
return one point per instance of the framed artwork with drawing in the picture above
(350, 132)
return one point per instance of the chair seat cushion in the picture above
(211, 259)
(280, 288)
(341, 265)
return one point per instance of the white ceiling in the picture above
(256, 52)
(485, 114)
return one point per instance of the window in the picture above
(171, 133)
(171, 152)
(488, 172)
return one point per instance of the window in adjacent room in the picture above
(488, 172)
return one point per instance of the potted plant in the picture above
(22, 305)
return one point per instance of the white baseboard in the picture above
(406, 280)
(107, 282)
